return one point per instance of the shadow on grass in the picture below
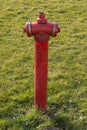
(62, 121)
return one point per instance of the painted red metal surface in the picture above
(41, 30)
(40, 74)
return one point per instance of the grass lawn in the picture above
(67, 74)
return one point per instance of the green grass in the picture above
(67, 74)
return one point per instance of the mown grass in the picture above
(67, 74)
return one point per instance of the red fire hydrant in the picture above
(41, 30)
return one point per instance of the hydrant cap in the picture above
(41, 18)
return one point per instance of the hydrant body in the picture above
(41, 30)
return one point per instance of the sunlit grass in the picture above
(67, 73)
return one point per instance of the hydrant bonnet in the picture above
(41, 18)
(41, 29)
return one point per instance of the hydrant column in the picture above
(40, 74)
(41, 30)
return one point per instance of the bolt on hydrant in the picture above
(41, 30)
